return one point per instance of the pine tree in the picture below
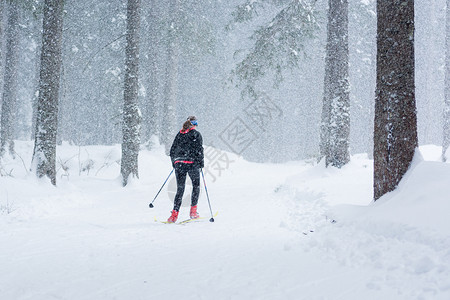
(10, 79)
(446, 141)
(395, 129)
(335, 127)
(278, 46)
(131, 114)
(44, 155)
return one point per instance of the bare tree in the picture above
(44, 156)
(10, 79)
(335, 127)
(395, 128)
(131, 114)
(446, 141)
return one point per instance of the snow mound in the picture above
(403, 238)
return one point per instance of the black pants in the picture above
(181, 169)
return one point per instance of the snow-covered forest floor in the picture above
(283, 231)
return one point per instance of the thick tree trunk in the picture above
(446, 141)
(131, 113)
(10, 80)
(168, 126)
(395, 130)
(2, 5)
(335, 127)
(44, 156)
(35, 99)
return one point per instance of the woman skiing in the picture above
(186, 154)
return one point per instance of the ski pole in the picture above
(209, 203)
(151, 204)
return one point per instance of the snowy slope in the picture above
(295, 230)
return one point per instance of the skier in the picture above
(187, 157)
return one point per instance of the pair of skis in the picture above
(201, 219)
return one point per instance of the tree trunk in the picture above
(168, 126)
(335, 127)
(35, 99)
(131, 113)
(10, 79)
(395, 128)
(2, 5)
(44, 156)
(149, 109)
(446, 141)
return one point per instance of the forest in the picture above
(321, 130)
(294, 79)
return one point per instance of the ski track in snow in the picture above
(274, 238)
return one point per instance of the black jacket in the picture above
(188, 146)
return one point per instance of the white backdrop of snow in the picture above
(273, 238)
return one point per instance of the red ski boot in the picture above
(173, 218)
(194, 214)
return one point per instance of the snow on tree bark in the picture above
(131, 113)
(35, 96)
(335, 127)
(168, 126)
(446, 134)
(2, 5)
(10, 79)
(395, 128)
(44, 156)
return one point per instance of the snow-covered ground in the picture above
(283, 231)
